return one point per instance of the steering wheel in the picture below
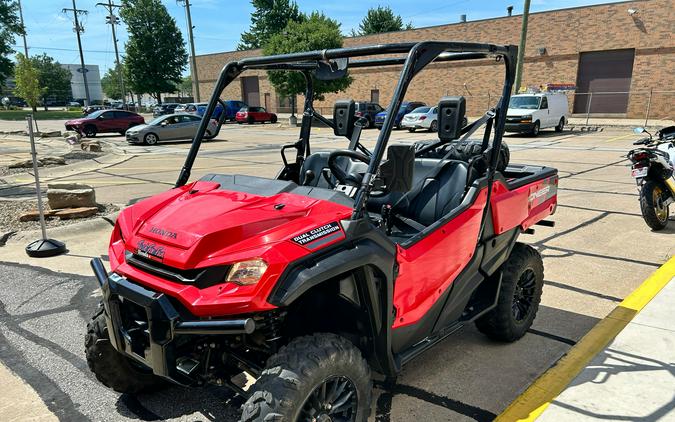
(342, 176)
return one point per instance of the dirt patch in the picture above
(71, 158)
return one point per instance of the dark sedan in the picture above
(105, 121)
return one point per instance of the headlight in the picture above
(526, 119)
(247, 272)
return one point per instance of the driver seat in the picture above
(434, 197)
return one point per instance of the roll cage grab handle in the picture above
(419, 55)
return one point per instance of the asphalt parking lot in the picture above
(598, 252)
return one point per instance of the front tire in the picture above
(111, 368)
(519, 296)
(434, 126)
(535, 129)
(90, 131)
(654, 212)
(317, 377)
(150, 139)
(411, 130)
(273, 119)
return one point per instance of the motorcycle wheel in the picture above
(654, 212)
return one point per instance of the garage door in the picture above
(602, 72)
(250, 90)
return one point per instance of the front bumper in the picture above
(150, 337)
(134, 139)
(518, 127)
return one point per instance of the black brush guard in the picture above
(151, 340)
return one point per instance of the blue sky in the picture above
(219, 23)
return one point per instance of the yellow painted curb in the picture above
(533, 401)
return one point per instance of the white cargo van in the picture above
(533, 112)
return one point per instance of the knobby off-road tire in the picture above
(111, 368)
(522, 282)
(654, 212)
(303, 373)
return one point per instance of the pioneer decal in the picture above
(545, 191)
(319, 236)
(163, 232)
(150, 250)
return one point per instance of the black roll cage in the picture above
(419, 55)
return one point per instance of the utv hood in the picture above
(204, 221)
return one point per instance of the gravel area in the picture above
(11, 210)
(71, 158)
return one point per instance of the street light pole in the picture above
(193, 61)
(25, 44)
(521, 46)
(112, 20)
(79, 29)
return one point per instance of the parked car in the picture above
(231, 109)
(421, 118)
(166, 108)
(405, 108)
(532, 112)
(251, 115)
(73, 104)
(105, 121)
(170, 127)
(367, 110)
(189, 108)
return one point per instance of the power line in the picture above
(79, 29)
(64, 49)
(112, 20)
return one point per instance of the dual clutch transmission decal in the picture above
(319, 236)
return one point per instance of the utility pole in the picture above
(112, 20)
(25, 44)
(193, 61)
(521, 46)
(78, 28)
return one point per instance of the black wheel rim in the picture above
(523, 295)
(334, 400)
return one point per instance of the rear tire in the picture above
(250, 120)
(519, 296)
(654, 212)
(411, 130)
(301, 377)
(110, 367)
(561, 125)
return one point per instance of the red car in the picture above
(105, 121)
(251, 115)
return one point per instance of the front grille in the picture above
(199, 277)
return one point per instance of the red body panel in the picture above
(256, 116)
(428, 268)
(523, 206)
(112, 121)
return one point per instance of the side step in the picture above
(418, 348)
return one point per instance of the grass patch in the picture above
(39, 115)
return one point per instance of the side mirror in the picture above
(332, 69)
(638, 130)
(451, 111)
(397, 171)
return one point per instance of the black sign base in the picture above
(45, 247)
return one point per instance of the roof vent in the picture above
(462, 18)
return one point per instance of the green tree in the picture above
(185, 86)
(53, 79)
(155, 52)
(110, 82)
(27, 81)
(316, 32)
(269, 18)
(380, 19)
(10, 26)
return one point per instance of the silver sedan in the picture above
(421, 118)
(169, 128)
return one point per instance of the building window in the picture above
(375, 96)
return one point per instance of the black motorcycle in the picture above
(653, 166)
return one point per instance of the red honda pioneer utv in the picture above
(345, 264)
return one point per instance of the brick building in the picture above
(606, 49)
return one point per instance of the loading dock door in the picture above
(250, 90)
(604, 71)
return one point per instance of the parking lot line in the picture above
(538, 396)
